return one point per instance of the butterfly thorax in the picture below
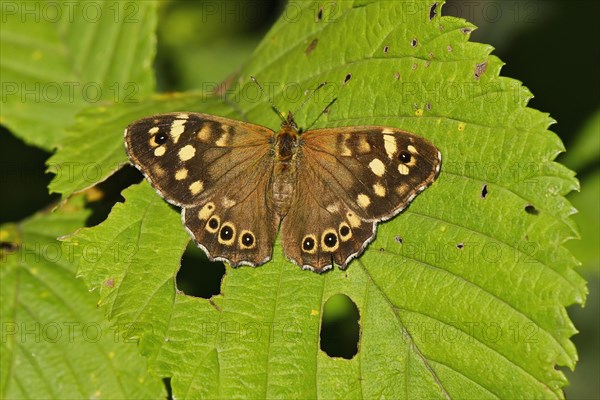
(284, 168)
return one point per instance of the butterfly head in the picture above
(289, 122)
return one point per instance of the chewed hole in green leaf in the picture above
(340, 327)
(531, 210)
(433, 11)
(199, 277)
(484, 191)
(103, 196)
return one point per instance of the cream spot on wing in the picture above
(377, 167)
(187, 152)
(183, 116)
(333, 208)
(387, 130)
(379, 189)
(196, 187)
(153, 130)
(363, 145)
(177, 128)
(402, 190)
(412, 149)
(204, 133)
(158, 171)
(353, 219)
(152, 143)
(403, 169)
(206, 211)
(228, 203)
(160, 151)
(223, 140)
(344, 149)
(181, 174)
(389, 142)
(363, 200)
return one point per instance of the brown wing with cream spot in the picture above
(218, 170)
(348, 180)
(236, 223)
(185, 156)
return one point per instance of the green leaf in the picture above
(55, 341)
(462, 295)
(61, 57)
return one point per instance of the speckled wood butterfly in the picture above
(236, 182)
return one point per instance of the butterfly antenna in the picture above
(273, 106)
(309, 97)
(321, 113)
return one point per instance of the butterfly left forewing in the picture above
(185, 156)
(348, 180)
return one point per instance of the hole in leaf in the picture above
(433, 11)
(386, 49)
(398, 239)
(484, 192)
(347, 78)
(414, 42)
(102, 197)
(169, 390)
(24, 182)
(340, 328)
(460, 246)
(199, 277)
(319, 14)
(466, 31)
(529, 209)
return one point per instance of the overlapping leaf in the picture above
(55, 341)
(61, 57)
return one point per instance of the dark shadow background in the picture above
(551, 46)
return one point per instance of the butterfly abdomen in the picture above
(284, 169)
